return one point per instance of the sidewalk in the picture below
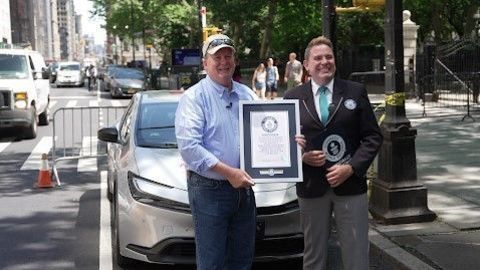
(448, 164)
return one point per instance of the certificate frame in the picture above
(264, 124)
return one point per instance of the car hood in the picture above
(166, 166)
(16, 85)
(134, 83)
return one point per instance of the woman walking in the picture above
(259, 84)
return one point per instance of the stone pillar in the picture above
(410, 30)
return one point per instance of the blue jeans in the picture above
(224, 219)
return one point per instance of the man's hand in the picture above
(239, 179)
(300, 139)
(315, 158)
(337, 174)
(236, 177)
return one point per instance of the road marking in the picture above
(51, 104)
(34, 160)
(72, 97)
(89, 148)
(71, 103)
(4, 145)
(93, 103)
(116, 103)
(105, 247)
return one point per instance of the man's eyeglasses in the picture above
(217, 42)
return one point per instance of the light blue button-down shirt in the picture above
(207, 128)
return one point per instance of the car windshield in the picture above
(13, 66)
(70, 67)
(156, 125)
(128, 73)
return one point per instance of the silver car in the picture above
(69, 74)
(148, 188)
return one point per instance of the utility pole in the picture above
(201, 13)
(132, 30)
(329, 21)
(397, 196)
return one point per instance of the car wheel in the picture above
(31, 130)
(43, 117)
(121, 260)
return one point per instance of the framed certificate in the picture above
(268, 150)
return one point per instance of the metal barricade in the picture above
(75, 132)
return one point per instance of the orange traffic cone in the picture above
(44, 177)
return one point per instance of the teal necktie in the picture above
(323, 100)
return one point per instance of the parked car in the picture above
(24, 91)
(124, 82)
(147, 185)
(70, 74)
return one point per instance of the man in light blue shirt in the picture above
(220, 194)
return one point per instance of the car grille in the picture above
(5, 99)
(130, 91)
(183, 250)
(278, 209)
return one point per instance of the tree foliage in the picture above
(264, 28)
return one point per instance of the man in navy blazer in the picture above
(342, 139)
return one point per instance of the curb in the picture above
(394, 255)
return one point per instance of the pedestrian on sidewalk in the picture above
(293, 71)
(220, 193)
(272, 79)
(342, 139)
(259, 80)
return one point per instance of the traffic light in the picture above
(208, 31)
(362, 6)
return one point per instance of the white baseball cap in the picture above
(215, 43)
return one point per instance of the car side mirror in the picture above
(37, 75)
(45, 73)
(108, 134)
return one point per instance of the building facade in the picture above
(5, 28)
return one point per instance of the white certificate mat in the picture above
(270, 145)
(268, 150)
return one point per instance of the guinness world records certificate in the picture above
(268, 150)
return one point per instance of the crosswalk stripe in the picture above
(89, 148)
(116, 103)
(93, 103)
(71, 103)
(34, 160)
(3, 145)
(51, 104)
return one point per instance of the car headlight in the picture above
(147, 192)
(21, 99)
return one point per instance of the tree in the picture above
(443, 17)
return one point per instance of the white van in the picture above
(24, 91)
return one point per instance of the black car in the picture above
(124, 82)
(52, 70)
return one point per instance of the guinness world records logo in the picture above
(269, 124)
(334, 148)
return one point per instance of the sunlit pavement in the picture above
(448, 164)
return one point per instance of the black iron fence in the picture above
(448, 75)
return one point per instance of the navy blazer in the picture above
(350, 109)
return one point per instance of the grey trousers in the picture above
(351, 219)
